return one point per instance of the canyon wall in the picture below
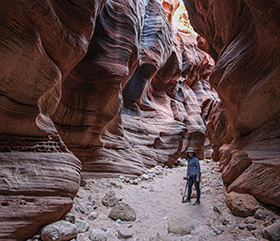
(244, 128)
(40, 43)
(108, 89)
(138, 97)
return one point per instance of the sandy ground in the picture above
(158, 200)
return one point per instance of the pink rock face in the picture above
(41, 41)
(246, 78)
(123, 91)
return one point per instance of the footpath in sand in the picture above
(156, 198)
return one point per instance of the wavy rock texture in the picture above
(246, 77)
(132, 54)
(80, 69)
(40, 42)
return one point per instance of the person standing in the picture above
(193, 175)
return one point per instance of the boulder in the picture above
(81, 225)
(242, 205)
(59, 231)
(179, 226)
(98, 235)
(110, 199)
(123, 212)
(272, 232)
(124, 233)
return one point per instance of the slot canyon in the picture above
(96, 89)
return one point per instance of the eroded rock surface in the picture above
(243, 40)
(40, 42)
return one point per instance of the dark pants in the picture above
(192, 180)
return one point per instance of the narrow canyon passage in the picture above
(156, 198)
(96, 95)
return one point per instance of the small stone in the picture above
(146, 177)
(124, 232)
(242, 225)
(257, 234)
(251, 227)
(272, 232)
(217, 209)
(250, 220)
(83, 182)
(127, 179)
(135, 182)
(82, 225)
(181, 227)
(85, 208)
(227, 218)
(92, 200)
(123, 212)
(60, 230)
(69, 217)
(97, 235)
(267, 223)
(264, 215)
(219, 229)
(110, 199)
(121, 177)
(92, 216)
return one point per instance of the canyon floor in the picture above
(160, 212)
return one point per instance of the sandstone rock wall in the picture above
(116, 84)
(40, 42)
(244, 128)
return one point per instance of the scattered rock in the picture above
(242, 225)
(121, 177)
(217, 209)
(145, 177)
(83, 182)
(135, 181)
(251, 227)
(250, 220)
(124, 232)
(97, 235)
(83, 237)
(242, 205)
(179, 226)
(59, 231)
(82, 225)
(263, 215)
(92, 216)
(248, 239)
(267, 223)
(110, 199)
(181, 162)
(116, 185)
(123, 212)
(219, 229)
(257, 234)
(272, 232)
(85, 208)
(228, 218)
(69, 217)
(92, 200)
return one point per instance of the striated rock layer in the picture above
(116, 83)
(40, 42)
(244, 128)
(122, 108)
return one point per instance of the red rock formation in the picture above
(40, 42)
(77, 69)
(246, 78)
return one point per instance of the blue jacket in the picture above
(193, 167)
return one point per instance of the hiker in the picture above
(193, 175)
